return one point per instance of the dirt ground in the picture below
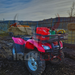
(10, 67)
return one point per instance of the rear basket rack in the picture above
(56, 37)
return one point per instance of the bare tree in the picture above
(71, 11)
(57, 15)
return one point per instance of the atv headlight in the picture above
(45, 47)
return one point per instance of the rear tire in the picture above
(55, 61)
(62, 56)
(11, 34)
(34, 64)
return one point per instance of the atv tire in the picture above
(57, 61)
(14, 55)
(11, 34)
(33, 63)
(62, 56)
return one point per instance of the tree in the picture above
(71, 11)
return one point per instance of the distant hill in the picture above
(45, 20)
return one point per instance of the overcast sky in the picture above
(33, 10)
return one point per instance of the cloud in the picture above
(13, 5)
(34, 9)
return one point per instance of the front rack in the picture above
(56, 37)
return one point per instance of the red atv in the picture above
(35, 51)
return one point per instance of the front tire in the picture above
(34, 64)
(14, 54)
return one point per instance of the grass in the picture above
(2, 34)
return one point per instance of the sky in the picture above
(34, 10)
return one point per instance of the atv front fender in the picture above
(31, 44)
(19, 41)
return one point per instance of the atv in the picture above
(35, 51)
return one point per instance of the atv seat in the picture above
(27, 38)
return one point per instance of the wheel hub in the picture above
(32, 64)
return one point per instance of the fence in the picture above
(63, 25)
(3, 27)
(49, 23)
